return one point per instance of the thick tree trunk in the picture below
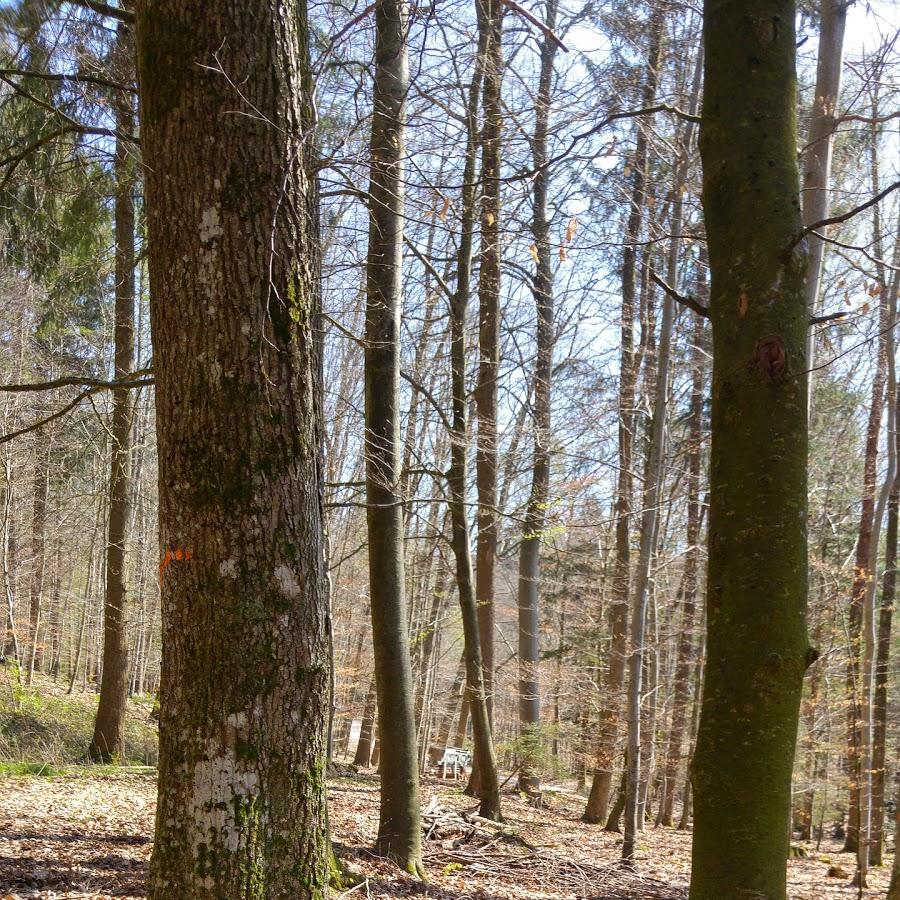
(108, 741)
(757, 648)
(399, 829)
(598, 799)
(231, 212)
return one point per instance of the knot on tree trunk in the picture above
(770, 357)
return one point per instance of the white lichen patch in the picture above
(210, 226)
(237, 720)
(228, 568)
(220, 786)
(287, 581)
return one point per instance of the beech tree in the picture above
(231, 211)
(399, 829)
(757, 647)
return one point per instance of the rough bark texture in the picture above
(108, 741)
(598, 799)
(231, 208)
(399, 828)
(757, 581)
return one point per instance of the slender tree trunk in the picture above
(535, 511)
(41, 486)
(363, 754)
(862, 573)
(234, 270)
(649, 528)
(108, 742)
(443, 730)
(817, 154)
(491, 21)
(598, 799)
(399, 829)
(757, 650)
(885, 621)
(457, 475)
(870, 637)
(682, 692)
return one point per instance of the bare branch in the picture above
(684, 300)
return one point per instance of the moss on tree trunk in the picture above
(757, 582)
(231, 211)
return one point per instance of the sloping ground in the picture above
(88, 836)
(44, 724)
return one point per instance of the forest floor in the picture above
(87, 834)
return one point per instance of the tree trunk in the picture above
(440, 742)
(869, 674)
(757, 648)
(363, 754)
(108, 742)
(861, 577)
(491, 22)
(457, 476)
(598, 799)
(234, 269)
(818, 152)
(649, 528)
(682, 692)
(885, 621)
(535, 512)
(41, 486)
(399, 829)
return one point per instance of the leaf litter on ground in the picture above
(89, 836)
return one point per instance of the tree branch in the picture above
(78, 79)
(140, 378)
(843, 217)
(104, 9)
(689, 302)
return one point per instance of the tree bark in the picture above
(41, 490)
(757, 648)
(885, 622)
(234, 269)
(818, 152)
(491, 21)
(535, 511)
(363, 754)
(685, 653)
(399, 828)
(108, 742)
(457, 475)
